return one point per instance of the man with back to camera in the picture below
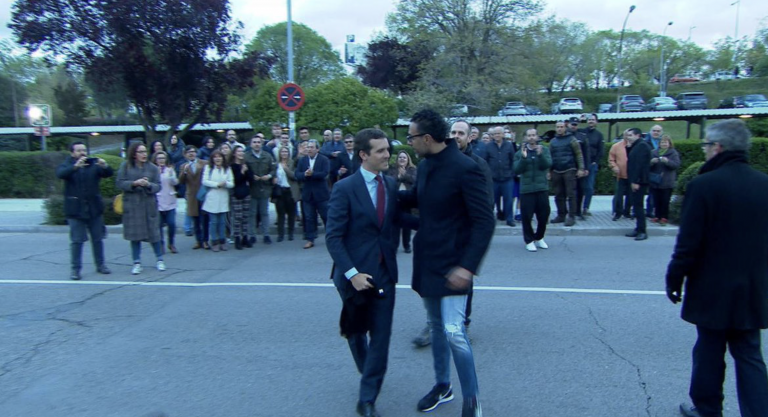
(83, 206)
(452, 214)
(362, 239)
(726, 284)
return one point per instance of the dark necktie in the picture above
(380, 199)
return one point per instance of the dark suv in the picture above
(749, 100)
(690, 101)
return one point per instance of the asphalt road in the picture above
(581, 329)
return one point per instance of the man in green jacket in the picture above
(532, 163)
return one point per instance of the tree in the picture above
(342, 102)
(71, 99)
(174, 58)
(756, 58)
(20, 69)
(392, 65)
(314, 60)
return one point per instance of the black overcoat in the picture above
(722, 246)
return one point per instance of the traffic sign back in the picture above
(290, 97)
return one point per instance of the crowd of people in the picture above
(371, 207)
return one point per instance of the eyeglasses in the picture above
(705, 144)
(412, 137)
(141, 151)
(348, 141)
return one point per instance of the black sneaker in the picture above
(267, 240)
(441, 393)
(75, 275)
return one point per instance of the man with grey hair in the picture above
(720, 256)
(500, 155)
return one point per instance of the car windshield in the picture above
(514, 104)
(664, 99)
(632, 98)
(692, 96)
(571, 100)
(755, 97)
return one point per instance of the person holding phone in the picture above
(532, 164)
(83, 205)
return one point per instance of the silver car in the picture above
(513, 108)
(661, 104)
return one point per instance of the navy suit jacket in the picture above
(353, 236)
(352, 165)
(314, 188)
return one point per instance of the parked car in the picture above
(604, 107)
(568, 105)
(684, 78)
(629, 102)
(513, 108)
(459, 110)
(747, 101)
(723, 75)
(534, 110)
(691, 100)
(661, 104)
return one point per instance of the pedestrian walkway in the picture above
(28, 216)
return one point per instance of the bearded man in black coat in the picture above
(726, 284)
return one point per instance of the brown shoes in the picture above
(172, 249)
(197, 246)
(309, 244)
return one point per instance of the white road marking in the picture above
(314, 285)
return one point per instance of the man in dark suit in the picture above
(455, 228)
(312, 171)
(726, 284)
(362, 240)
(638, 167)
(345, 164)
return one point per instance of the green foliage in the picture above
(314, 60)
(31, 174)
(71, 99)
(676, 205)
(758, 127)
(262, 108)
(13, 143)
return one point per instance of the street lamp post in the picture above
(662, 76)
(618, 72)
(291, 115)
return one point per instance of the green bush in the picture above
(676, 205)
(30, 174)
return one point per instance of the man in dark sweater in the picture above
(581, 183)
(596, 147)
(638, 166)
(567, 167)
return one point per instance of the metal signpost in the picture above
(40, 119)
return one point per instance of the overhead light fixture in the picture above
(745, 116)
(659, 119)
(95, 134)
(220, 131)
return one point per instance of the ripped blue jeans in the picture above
(445, 318)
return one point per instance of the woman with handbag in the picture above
(241, 199)
(662, 177)
(166, 198)
(285, 194)
(219, 179)
(140, 181)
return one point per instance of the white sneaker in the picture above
(530, 247)
(136, 270)
(160, 266)
(542, 244)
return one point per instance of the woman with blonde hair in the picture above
(663, 177)
(285, 200)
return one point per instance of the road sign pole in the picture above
(291, 115)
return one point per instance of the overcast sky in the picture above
(334, 19)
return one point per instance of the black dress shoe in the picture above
(689, 410)
(632, 234)
(616, 217)
(75, 275)
(510, 223)
(367, 409)
(641, 236)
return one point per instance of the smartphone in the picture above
(91, 161)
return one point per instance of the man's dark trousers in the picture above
(637, 206)
(371, 355)
(78, 234)
(534, 204)
(709, 372)
(311, 210)
(621, 197)
(564, 184)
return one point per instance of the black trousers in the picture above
(621, 203)
(637, 207)
(581, 186)
(709, 372)
(371, 350)
(661, 197)
(564, 185)
(534, 204)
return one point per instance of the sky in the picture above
(334, 19)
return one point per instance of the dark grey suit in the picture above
(355, 240)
